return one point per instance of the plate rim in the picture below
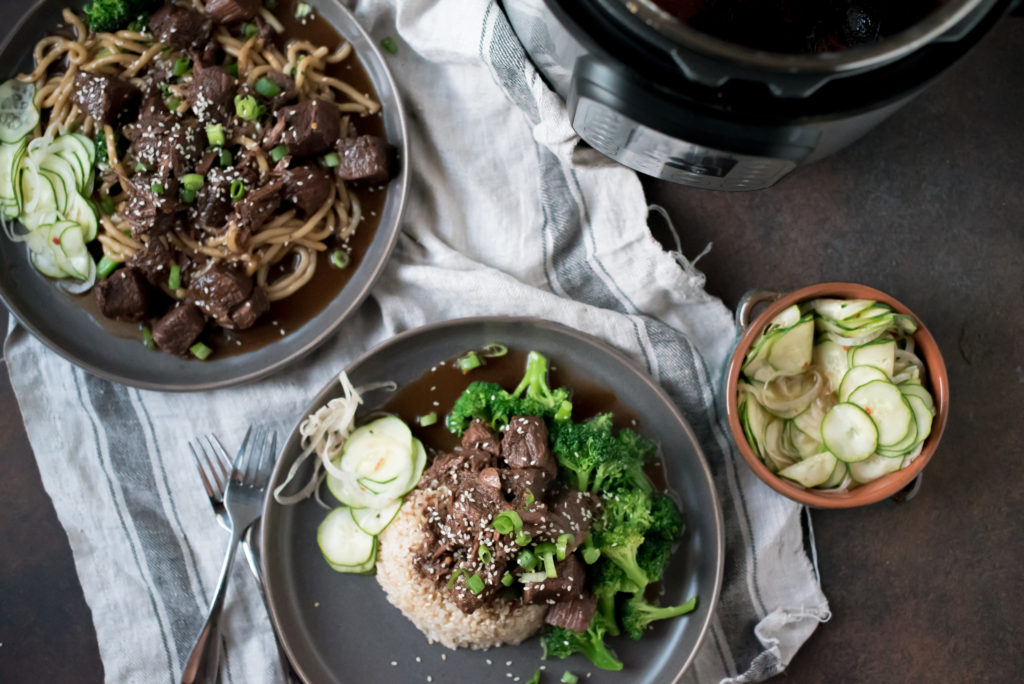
(330, 327)
(330, 387)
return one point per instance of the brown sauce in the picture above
(287, 315)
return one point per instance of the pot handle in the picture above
(749, 301)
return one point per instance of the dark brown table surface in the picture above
(930, 208)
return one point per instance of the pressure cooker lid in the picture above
(711, 60)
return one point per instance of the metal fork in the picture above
(215, 460)
(243, 500)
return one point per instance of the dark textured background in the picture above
(930, 208)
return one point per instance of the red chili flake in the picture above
(56, 241)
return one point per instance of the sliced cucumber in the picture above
(831, 360)
(776, 460)
(839, 309)
(880, 353)
(791, 352)
(10, 161)
(884, 402)
(756, 365)
(915, 389)
(374, 520)
(787, 396)
(837, 476)
(806, 445)
(18, 113)
(849, 433)
(872, 468)
(812, 471)
(922, 416)
(342, 542)
(83, 212)
(757, 419)
(787, 318)
(857, 377)
(69, 247)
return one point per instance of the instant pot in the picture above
(658, 96)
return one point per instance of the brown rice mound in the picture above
(420, 600)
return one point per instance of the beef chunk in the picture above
(228, 11)
(154, 261)
(310, 128)
(150, 212)
(447, 469)
(518, 481)
(577, 509)
(213, 201)
(178, 329)
(365, 158)
(180, 27)
(288, 92)
(568, 584)
(479, 436)
(211, 93)
(525, 445)
(166, 142)
(258, 206)
(542, 524)
(248, 312)
(218, 290)
(107, 99)
(306, 187)
(573, 614)
(124, 295)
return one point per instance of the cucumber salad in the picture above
(368, 469)
(45, 184)
(832, 395)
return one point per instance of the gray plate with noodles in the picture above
(340, 627)
(72, 325)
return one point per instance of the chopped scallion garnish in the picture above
(507, 522)
(107, 205)
(106, 266)
(455, 576)
(507, 579)
(232, 69)
(475, 584)
(226, 159)
(468, 362)
(428, 420)
(200, 351)
(562, 545)
(147, 337)
(267, 88)
(141, 168)
(174, 279)
(389, 45)
(340, 258)
(278, 153)
(494, 350)
(157, 188)
(250, 30)
(192, 181)
(331, 160)
(528, 499)
(188, 195)
(523, 539)
(181, 66)
(237, 190)
(173, 103)
(569, 678)
(303, 9)
(484, 554)
(246, 107)
(527, 560)
(215, 135)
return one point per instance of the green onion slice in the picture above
(469, 361)
(250, 30)
(226, 159)
(484, 554)
(527, 559)
(174, 279)
(157, 188)
(246, 107)
(192, 181)
(107, 205)
(507, 522)
(455, 576)
(389, 45)
(569, 678)
(331, 160)
(106, 266)
(528, 499)
(215, 135)
(181, 66)
(267, 88)
(303, 9)
(200, 351)
(188, 195)
(427, 421)
(494, 350)
(562, 545)
(278, 153)
(237, 190)
(340, 259)
(507, 579)
(523, 539)
(141, 168)
(475, 584)
(147, 337)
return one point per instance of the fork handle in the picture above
(203, 664)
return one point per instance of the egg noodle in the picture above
(286, 237)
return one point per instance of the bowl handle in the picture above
(749, 301)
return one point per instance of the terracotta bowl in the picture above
(936, 379)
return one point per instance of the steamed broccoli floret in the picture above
(594, 458)
(559, 642)
(666, 519)
(653, 556)
(496, 407)
(606, 581)
(535, 393)
(114, 15)
(620, 529)
(638, 614)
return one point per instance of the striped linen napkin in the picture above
(506, 216)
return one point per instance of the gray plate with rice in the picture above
(341, 628)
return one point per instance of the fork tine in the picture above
(253, 467)
(223, 461)
(210, 491)
(266, 464)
